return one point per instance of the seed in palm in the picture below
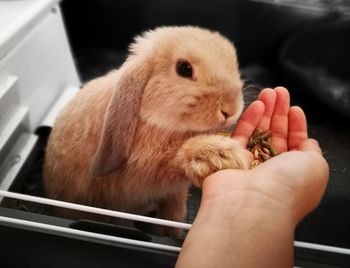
(260, 146)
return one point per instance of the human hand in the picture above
(247, 218)
(296, 178)
(272, 112)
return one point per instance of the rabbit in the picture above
(137, 138)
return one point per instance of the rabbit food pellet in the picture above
(260, 146)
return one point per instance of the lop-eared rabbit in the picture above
(135, 139)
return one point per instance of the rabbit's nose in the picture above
(225, 114)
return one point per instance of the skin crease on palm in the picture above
(247, 218)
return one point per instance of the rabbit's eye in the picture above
(184, 69)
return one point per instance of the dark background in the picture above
(284, 38)
(303, 45)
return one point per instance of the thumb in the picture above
(310, 145)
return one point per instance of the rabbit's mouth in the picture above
(230, 121)
(227, 124)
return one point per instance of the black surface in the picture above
(319, 259)
(257, 28)
(25, 248)
(110, 229)
(29, 247)
(316, 58)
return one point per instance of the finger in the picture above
(248, 122)
(268, 97)
(279, 120)
(310, 145)
(297, 127)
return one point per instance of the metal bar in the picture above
(65, 230)
(101, 211)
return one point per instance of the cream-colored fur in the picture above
(134, 139)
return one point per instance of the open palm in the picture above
(299, 170)
(272, 112)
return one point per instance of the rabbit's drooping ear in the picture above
(121, 118)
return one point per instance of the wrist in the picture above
(237, 223)
(245, 200)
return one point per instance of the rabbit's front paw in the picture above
(204, 155)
